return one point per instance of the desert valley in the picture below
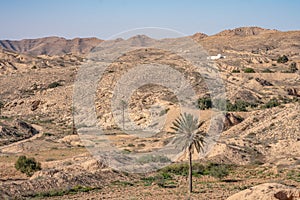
(256, 157)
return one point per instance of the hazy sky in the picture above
(104, 18)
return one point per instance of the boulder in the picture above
(268, 191)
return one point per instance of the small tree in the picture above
(27, 165)
(187, 126)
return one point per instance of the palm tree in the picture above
(187, 126)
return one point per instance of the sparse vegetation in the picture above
(272, 103)
(267, 71)
(282, 59)
(27, 165)
(293, 67)
(212, 169)
(221, 104)
(153, 158)
(294, 175)
(122, 183)
(204, 103)
(239, 105)
(235, 71)
(163, 180)
(73, 190)
(218, 171)
(54, 85)
(249, 70)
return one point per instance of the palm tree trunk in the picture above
(190, 172)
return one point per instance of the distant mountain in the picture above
(250, 38)
(245, 31)
(199, 36)
(51, 45)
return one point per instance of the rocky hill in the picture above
(245, 31)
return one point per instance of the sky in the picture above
(20, 19)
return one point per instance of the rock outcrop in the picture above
(268, 191)
(18, 130)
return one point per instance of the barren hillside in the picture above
(51, 45)
(261, 137)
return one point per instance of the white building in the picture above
(219, 56)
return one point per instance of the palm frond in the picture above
(187, 128)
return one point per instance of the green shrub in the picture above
(293, 67)
(148, 180)
(238, 106)
(183, 169)
(249, 70)
(162, 180)
(122, 183)
(222, 104)
(235, 71)
(282, 59)
(27, 165)
(178, 169)
(152, 158)
(54, 85)
(272, 103)
(294, 175)
(204, 103)
(166, 176)
(218, 171)
(267, 71)
(73, 190)
(212, 169)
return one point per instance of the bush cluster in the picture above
(282, 59)
(204, 103)
(272, 103)
(222, 104)
(212, 169)
(27, 165)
